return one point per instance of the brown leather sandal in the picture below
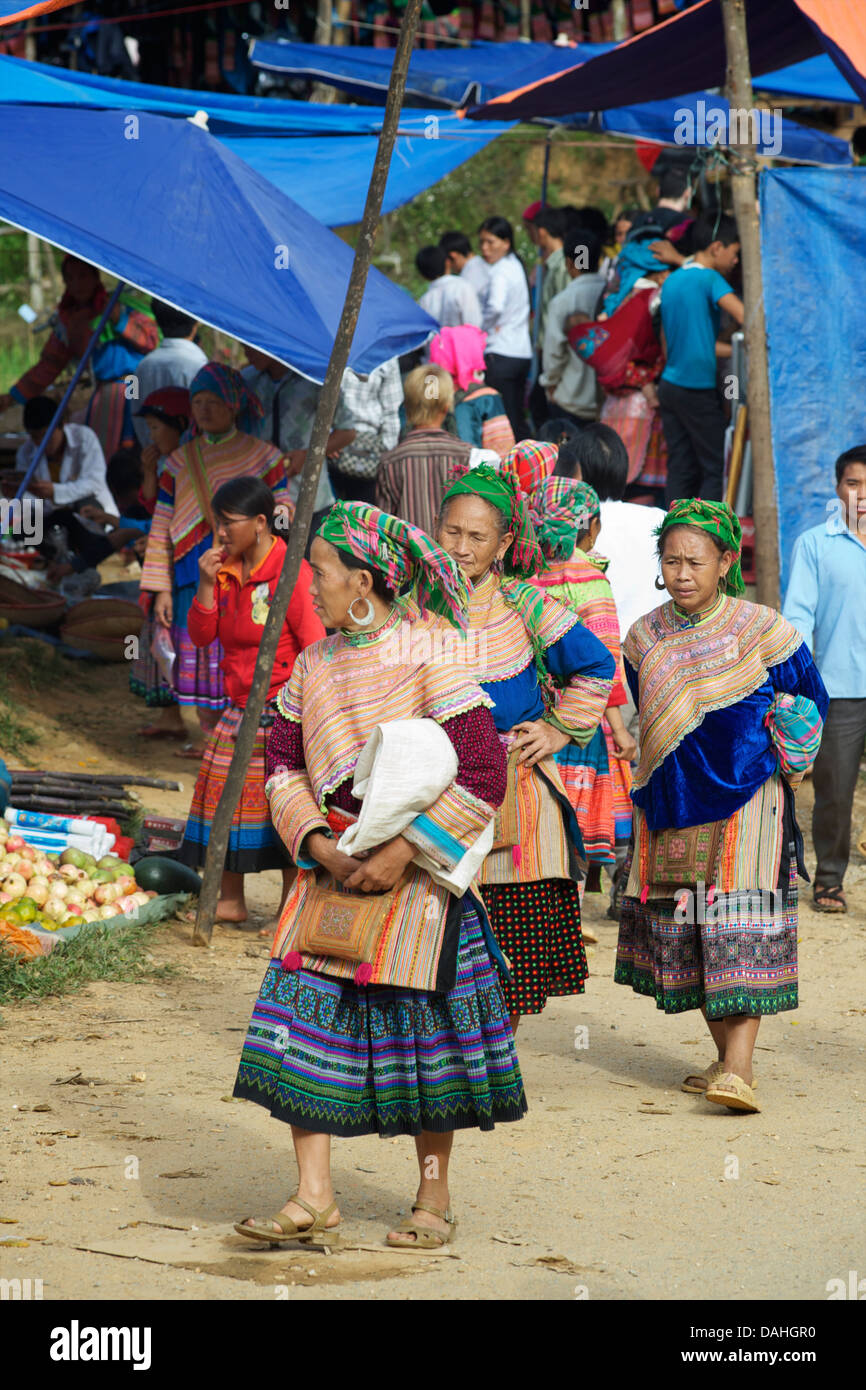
(315, 1234)
(692, 1083)
(425, 1237)
(731, 1090)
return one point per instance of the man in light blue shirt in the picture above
(826, 601)
(174, 363)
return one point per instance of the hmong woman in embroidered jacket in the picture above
(223, 409)
(550, 681)
(418, 1042)
(567, 519)
(730, 705)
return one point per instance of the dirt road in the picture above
(615, 1186)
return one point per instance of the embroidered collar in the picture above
(685, 620)
(220, 438)
(481, 593)
(367, 638)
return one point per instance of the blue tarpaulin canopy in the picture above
(450, 76)
(688, 49)
(328, 177)
(164, 206)
(493, 68)
(811, 254)
(818, 78)
(12, 11)
(694, 117)
(458, 76)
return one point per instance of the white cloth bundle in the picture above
(404, 767)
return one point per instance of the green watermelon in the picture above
(157, 874)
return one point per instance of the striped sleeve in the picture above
(598, 613)
(293, 807)
(585, 668)
(158, 558)
(455, 820)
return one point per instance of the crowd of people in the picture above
(620, 324)
(500, 673)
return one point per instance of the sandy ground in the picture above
(615, 1186)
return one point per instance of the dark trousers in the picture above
(539, 405)
(508, 376)
(834, 778)
(694, 426)
(348, 488)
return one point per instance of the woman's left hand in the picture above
(381, 871)
(537, 739)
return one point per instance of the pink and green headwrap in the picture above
(403, 554)
(717, 519)
(561, 509)
(230, 386)
(530, 462)
(501, 490)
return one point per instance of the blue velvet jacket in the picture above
(719, 765)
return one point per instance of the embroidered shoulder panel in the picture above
(685, 673)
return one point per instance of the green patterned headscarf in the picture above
(403, 554)
(502, 491)
(717, 519)
(561, 509)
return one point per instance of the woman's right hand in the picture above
(209, 565)
(324, 850)
(163, 609)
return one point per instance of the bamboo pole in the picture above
(322, 92)
(34, 274)
(344, 15)
(323, 22)
(620, 20)
(744, 187)
(246, 736)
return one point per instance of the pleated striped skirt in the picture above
(338, 1058)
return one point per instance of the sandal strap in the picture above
(319, 1217)
(730, 1083)
(434, 1211)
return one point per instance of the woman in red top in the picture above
(237, 582)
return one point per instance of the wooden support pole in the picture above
(323, 22)
(619, 17)
(744, 187)
(34, 274)
(322, 92)
(246, 736)
(344, 15)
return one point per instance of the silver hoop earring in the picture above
(368, 616)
